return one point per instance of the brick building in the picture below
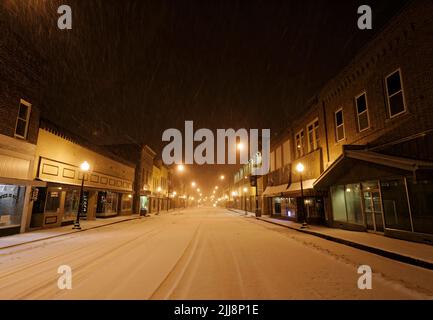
(20, 87)
(365, 140)
(379, 115)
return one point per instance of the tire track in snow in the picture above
(171, 281)
(87, 260)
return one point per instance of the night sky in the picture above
(128, 69)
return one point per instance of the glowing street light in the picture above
(300, 168)
(193, 184)
(198, 190)
(240, 146)
(84, 167)
(180, 168)
(222, 177)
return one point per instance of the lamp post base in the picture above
(76, 226)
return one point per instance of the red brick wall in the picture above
(20, 78)
(407, 43)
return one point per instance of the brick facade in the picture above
(20, 78)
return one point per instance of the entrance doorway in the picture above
(372, 205)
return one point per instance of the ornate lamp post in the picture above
(84, 167)
(300, 168)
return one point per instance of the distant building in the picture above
(160, 188)
(143, 157)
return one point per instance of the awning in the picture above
(275, 190)
(296, 186)
(362, 165)
(23, 182)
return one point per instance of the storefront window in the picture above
(314, 207)
(144, 201)
(353, 203)
(107, 202)
(277, 206)
(291, 207)
(126, 202)
(338, 203)
(53, 200)
(421, 195)
(72, 202)
(11, 205)
(395, 205)
(346, 203)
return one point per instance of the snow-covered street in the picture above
(202, 253)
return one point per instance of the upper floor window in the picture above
(313, 135)
(395, 93)
(362, 112)
(23, 119)
(300, 144)
(339, 125)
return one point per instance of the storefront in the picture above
(272, 200)
(17, 189)
(383, 194)
(284, 207)
(144, 205)
(58, 204)
(107, 186)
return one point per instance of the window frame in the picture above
(300, 147)
(315, 136)
(388, 97)
(27, 120)
(337, 126)
(366, 111)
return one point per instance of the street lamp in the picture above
(84, 167)
(193, 184)
(180, 168)
(300, 168)
(222, 177)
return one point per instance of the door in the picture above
(373, 210)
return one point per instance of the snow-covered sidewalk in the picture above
(43, 234)
(242, 212)
(404, 251)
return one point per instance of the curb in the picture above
(249, 214)
(381, 252)
(66, 233)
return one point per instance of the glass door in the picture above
(373, 208)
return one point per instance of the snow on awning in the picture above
(22, 182)
(275, 190)
(296, 186)
(352, 161)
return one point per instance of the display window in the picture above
(11, 205)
